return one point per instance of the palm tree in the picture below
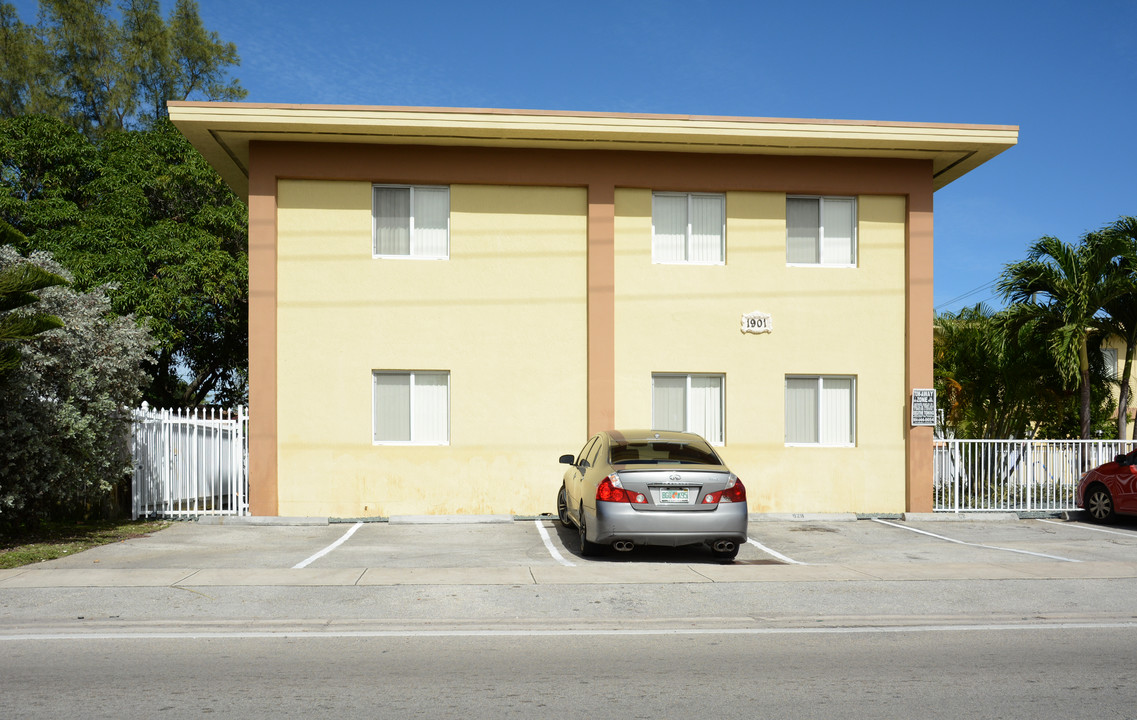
(1122, 320)
(1063, 288)
(18, 283)
(994, 381)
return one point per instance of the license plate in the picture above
(673, 496)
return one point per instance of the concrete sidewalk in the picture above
(600, 574)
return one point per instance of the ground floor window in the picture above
(689, 403)
(411, 407)
(820, 410)
(1109, 361)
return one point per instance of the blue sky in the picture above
(1064, 72)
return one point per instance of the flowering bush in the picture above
(64, 412)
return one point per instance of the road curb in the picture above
(961, 517)
(802, 517)
(259, 520)
(450, 519)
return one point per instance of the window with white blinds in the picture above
(688, 228)
(411, 408)
(689, 403)
(820, 410)
(821, 231)
(411, 221)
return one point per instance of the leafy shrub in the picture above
(64, 413)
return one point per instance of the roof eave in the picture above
(222, 132)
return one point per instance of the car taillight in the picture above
(610, 490)
(735, 491)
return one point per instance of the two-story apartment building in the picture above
(443, 301)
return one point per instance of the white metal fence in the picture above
(1014, 475)
(189, 463)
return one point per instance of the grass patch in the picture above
(56, 539)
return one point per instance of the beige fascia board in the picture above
(222, 133)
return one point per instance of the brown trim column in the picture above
(601, 306)
(263, 498)
(919, 344)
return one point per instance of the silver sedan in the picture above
(651, 487)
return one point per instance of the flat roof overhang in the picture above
(222, 133)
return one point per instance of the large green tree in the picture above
(91, 170)
(105, 70)
(143, 213)
(1061, 289)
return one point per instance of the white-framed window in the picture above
(821, 410)
(689, 403)
(410, 221)
(688, 228)
(821, 231)
(410, 407)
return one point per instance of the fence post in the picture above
(1030, 473)
(955, 471)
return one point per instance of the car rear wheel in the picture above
(587, 547)
(562, 508)
(1099, 504)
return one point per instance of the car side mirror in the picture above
(567, 459)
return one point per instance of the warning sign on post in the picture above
(923, 407)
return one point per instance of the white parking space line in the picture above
(549, 545)
(773, 553)
(963, 542)
(329, 548)
(572, 632)
(1091, 529)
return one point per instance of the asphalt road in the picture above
(912, 618)
(970, 672)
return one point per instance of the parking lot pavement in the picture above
(542, 552)
(196, 545)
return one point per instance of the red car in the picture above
(1110, 489)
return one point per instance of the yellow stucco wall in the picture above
(839, 321)
(506, 315)
(1117, 344)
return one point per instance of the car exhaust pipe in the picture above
(724, 546)
(623, 545)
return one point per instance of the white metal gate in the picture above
(1014, 475)
(189, 462)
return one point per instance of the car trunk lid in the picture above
(670, 489)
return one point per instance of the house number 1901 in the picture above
(757, 322)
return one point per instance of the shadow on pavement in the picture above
(688, 555)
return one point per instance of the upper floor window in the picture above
(411, 221)
(821, 231)
(689, 403)
(688, 228)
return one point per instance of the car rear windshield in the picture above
(660, 452)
